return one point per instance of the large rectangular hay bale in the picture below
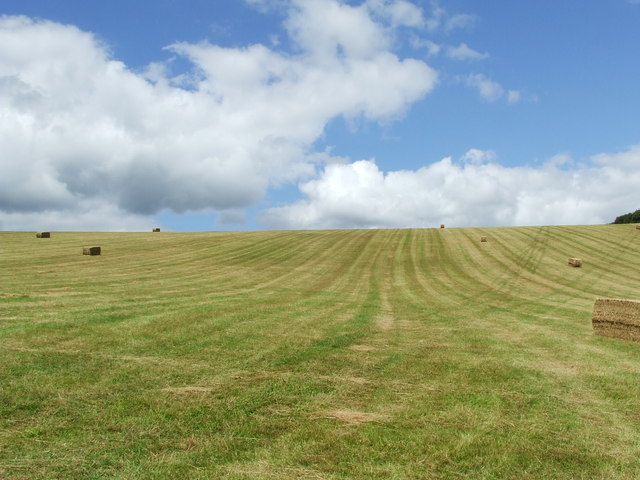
(442, 225)
(483, 239)
(575, 262)
(43, 235)
(156, 229)
(637, 227)
(616, 318)
(91, 250)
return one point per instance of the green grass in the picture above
(378, 354)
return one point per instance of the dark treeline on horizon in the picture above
(629, 218)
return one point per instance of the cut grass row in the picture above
(334, 354)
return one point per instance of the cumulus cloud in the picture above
(475, 192)
(82, 133)
(93, 215)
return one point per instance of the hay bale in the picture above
(43, 235)
(575, 262)
(156, 229)
(637, 227)
(442, 225)
(616, 318)
(483, 239)
(91, 250)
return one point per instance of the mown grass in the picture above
(380, 354)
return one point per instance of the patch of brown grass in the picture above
(353, 417)
(362, 348)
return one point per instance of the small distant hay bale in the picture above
(442, 225)
(616, 318)
(637, 227)
(156, 229)
(43, 235)
(575, 262)
(91, 250)
(483, 239)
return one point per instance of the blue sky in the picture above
(236, 115)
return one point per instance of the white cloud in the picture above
(491, 91)
(83, 135)
(487, 88)
(322, 27)
(627, 160)
(440, 19)
(464, 52)
(93, 215)
(432, 48)
(397, 12)
(477, 192)
(477, 157)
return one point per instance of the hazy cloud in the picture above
(513, 96)
(476, 192)
(459, 21)
(438, 14)
(490, 90)
(441, 19)
(464, 52)
(231, 217)
(487, 88)
(432, 48)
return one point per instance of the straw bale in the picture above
(575, 262)
(616, 318)
(156, 229)
(43, 235)
(91, 250)
(442, 225)
(483, 239)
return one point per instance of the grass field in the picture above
(362, 354)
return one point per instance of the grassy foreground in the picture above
(377, 354)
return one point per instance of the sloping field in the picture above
(365, 354)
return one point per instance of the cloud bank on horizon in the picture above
(90, 144)
(476, 191)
